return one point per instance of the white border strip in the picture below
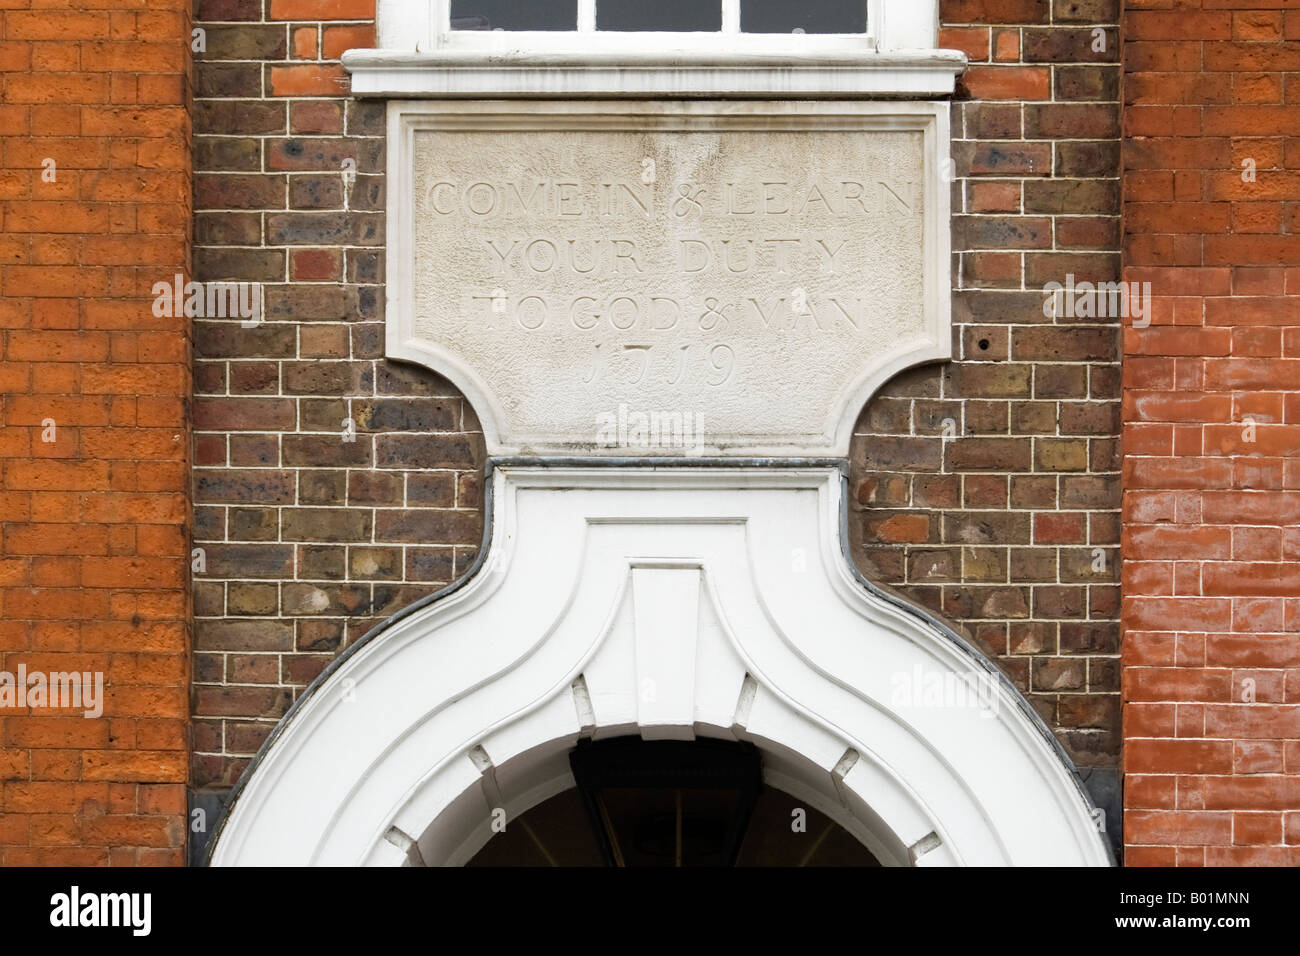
(699, 73)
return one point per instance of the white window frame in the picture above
(419, 55)
(589, 37)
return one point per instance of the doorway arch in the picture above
(670, 604)
(671, 803)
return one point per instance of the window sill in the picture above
(833, 73)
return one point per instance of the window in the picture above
(835, 17)
(663, 15)
(514, 14)
(727, 48)
(806, 16)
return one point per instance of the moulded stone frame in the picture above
(407, 118)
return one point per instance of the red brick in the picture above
(322, 9)
(338, 40)
(69, 252)
(304, 80)
(1019, 83)
(1212, 114)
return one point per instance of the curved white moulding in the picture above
(670, 603)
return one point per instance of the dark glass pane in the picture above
(771, 841)
(555, 833)
(514, 14)
(671, 803)
(674, 16)
(810, 16)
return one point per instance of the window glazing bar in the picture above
(730, 16)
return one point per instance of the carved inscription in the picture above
(578, 271)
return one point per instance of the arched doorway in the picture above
(666, 604)
(670, 803)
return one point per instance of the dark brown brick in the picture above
(365, 118)
(991, 380)
(1001, 232)
(244, 42)
(904, 454)
(429, 564)
(325, 524)
(1060, 381)
(227, 229)
(245, 599)
(1072, 197)
(319, 563)
(429, 527)
(375, 564)
(324, 155)
(408, 415)
(1087, 83)
(246, 117)
(248, 560)
(250, 265)
(1085, 11)
(1034, 418)
(254, 524)
(990, 454)
(1073, 120)
(256, 486)
(254, 378)
(986, 527)
(993, 120)
(312, 303)
(228, 152)
(324, 229)
(227, 79)
(228, 10)
(322, 487)
(375, 488)
(1058, 344)
(243, 635)
(313, 117)
(319, 451)
(222, 339)
(319, 635)
(326, 599)
(426, 451)
(244, 414)
(1087, 159)
(1069, 45)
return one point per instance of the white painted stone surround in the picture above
(668, 603)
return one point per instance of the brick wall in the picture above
(94, 437)
(1211, 406)
(988, 489)
(310, 539)
(332, 488)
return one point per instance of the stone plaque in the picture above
(668, 279)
